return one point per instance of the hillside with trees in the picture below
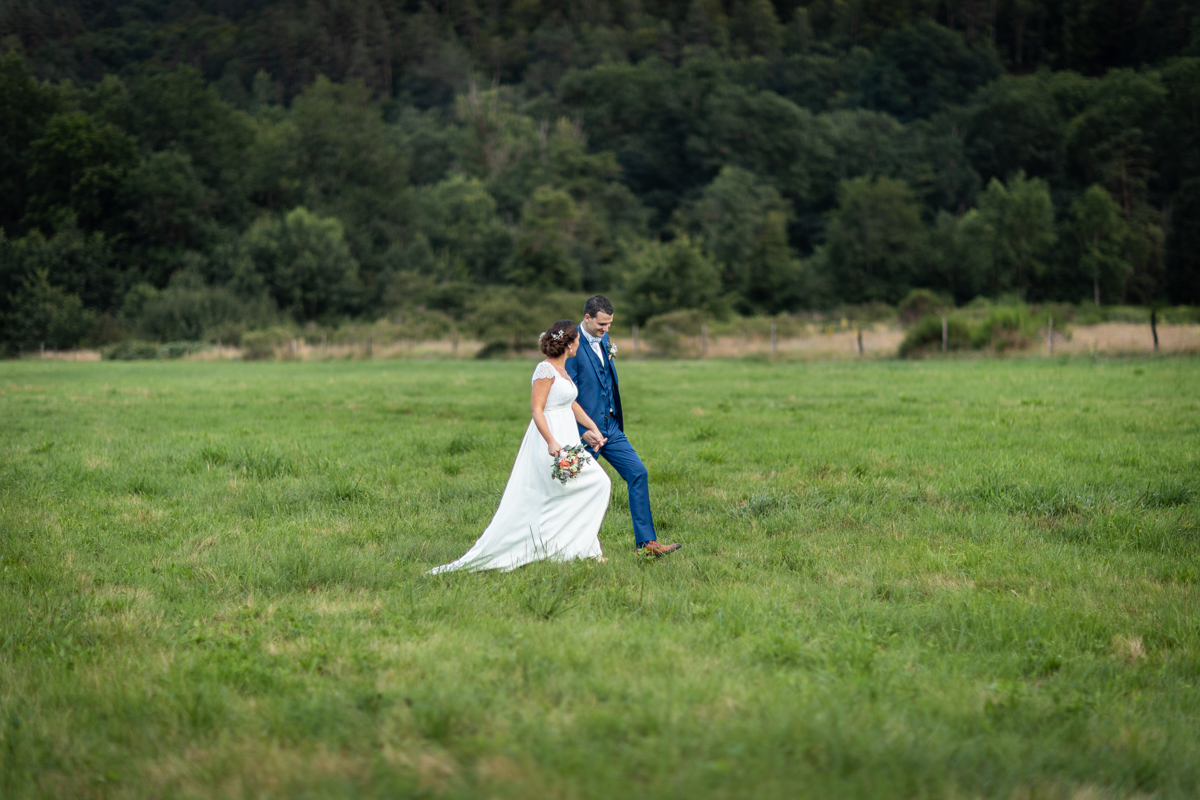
(196, 170)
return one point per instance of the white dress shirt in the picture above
(594, 341)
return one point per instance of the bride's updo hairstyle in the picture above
(558, 337)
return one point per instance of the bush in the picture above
(507, 318)
(671, 334)
(134, 350)
(1180, 315)
(1090, 314)
(1062, 313)
(925, 336)
(260, 345)
(306, 263)
(872, 312)
(493, 349)
(130, 350)
(1005, 328)
(920, 303)
(190, 310)
(45, 314)
(667, 277)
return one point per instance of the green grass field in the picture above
(945, 579)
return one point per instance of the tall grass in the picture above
(900, 579)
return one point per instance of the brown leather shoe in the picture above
(657, 550)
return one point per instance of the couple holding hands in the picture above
(575, 398)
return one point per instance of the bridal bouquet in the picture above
(569, 462)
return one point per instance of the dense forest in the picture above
(194, 170)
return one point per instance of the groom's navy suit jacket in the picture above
(597, 384)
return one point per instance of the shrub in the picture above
(920, 303)
(672, 333)
(1180, 315)
(135, 350)
(874, 312)
(130, 350)
(259, 345)
(675, 275)
(925, 336)
(1005, 328)
(505, 317)
(188, 310)
(45, 314)
(492, 349)
(306, 263)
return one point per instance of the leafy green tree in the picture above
(862, 143)
(77, 167)
(755, 27)
(1018, 228)
(610, 216)
(73, 260)
(544, 243)
(25, 107)
(763, 133)
(936, 165)
(1177, 134)
(1021, 123)
(1102, 236)
(671, 276)
(500, 147)
(305, 264)
(44, 314)
(742, 221)
(335, 155)
(924, 68)
(459, 220)
(874, 239)
(1183, 249)
(178, 111)
(1109, 141)
(957, 263)
(706, 25)
(168, 211)
(426, 144)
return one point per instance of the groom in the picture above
(595, 376)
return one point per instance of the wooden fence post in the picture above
(945, 334)
(42, 350)
(774, 339)
(1051, 337)
(858, 331)
(635, 338)
(454, 342)
(1154, 327)
(369, 341)
(703, 340)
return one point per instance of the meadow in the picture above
(939, 579)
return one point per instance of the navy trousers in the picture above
(624, 459)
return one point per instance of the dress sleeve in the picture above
(544, 372)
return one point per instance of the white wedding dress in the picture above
(539, 517)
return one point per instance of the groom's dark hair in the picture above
(595, 304)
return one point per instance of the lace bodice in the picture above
(562, 391)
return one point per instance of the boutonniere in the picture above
(612, 351)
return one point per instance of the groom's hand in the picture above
(594, 439)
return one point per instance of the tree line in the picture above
(172, 176)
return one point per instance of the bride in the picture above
(539, 517)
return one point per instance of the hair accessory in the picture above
(558, 334)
